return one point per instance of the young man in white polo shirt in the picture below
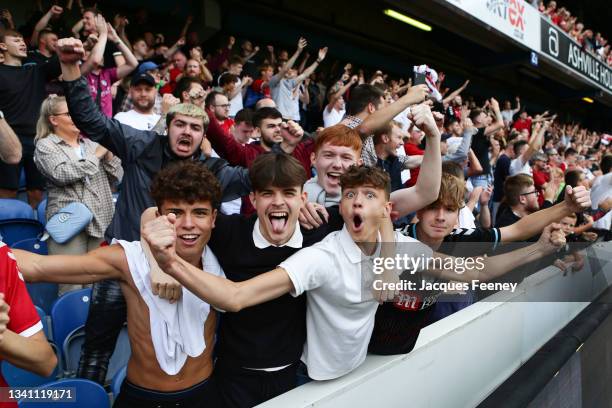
(340, 306)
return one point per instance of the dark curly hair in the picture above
(358, 176)
(186, 180)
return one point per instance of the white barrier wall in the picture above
(460, 360)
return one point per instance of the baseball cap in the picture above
(146, 78)
(146, 66)
(551, 152)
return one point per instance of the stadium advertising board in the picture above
(556, 44)
(514, 18)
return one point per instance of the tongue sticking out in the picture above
(278, 224)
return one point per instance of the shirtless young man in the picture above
(156, 378)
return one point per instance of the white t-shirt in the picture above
(287, 101)
(466, 218)
(507, 115)
(138, 120)
(333, 117)
(602, 189)
(236, 101)
(518, 167)
(340, 307)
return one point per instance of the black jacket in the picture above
(143, 153)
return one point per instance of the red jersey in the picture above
(521, 124)
(413, 150)
(258, 87)
(539, 179)
(227, 125)
(24, 319)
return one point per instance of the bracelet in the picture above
(319, 61)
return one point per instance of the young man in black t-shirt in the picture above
(22, 90)
(394, 331)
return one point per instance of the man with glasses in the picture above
(218, 104)
(521, 199)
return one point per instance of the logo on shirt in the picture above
(411, 301)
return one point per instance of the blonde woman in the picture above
(77, 170)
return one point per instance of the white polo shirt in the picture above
(340, 308)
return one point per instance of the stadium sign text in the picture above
(514, 18)
(559, 46)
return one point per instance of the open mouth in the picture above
(184, 144)
(278, 220)
(357, 222)
(334, 176)
(189, 239)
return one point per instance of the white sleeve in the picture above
(308, 269)
(515, 166)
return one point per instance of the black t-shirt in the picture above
(22, 90)
(502, 170)
(397, 324)
(273, 333)
(480, 145)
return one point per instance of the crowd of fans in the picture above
(593, 42)
(292, 147)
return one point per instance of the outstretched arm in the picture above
(456, 92)
(130, 60)
(302, 43)
(313, 66)
(43, 23)
(219, 292)
(493, 267)
(426, 190)
(10, 148)
(102, 263)
(576, 199)
(383, 116)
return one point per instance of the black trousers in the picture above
(244, 388)
(202, 395)
(107, 314)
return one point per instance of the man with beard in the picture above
(144, 154)
(143, 93)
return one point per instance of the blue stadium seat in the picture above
(85, 393)
(72, 352)
(46, 322)
(11, 208)
(68, 313)
(118, 380)
(19, 229)
(41, 212)
(33, 245)
(43, 295)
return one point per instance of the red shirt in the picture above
(23, 317)
(413, 150)
(238, 154)
(539, 179)
(227, 125)
(521, 124)
(170, 86)
(258, 87)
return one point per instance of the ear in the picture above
(313, 157)
(252, 198)
(360, 162)
(214, 217)
(304, 197)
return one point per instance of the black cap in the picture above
(140, 78)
